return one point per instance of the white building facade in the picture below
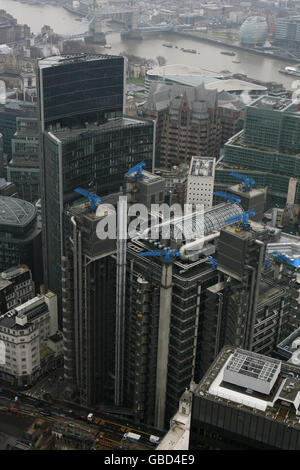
(200, 184)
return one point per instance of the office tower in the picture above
(11, 30)
(200, 182)
(23, 168)
(287, 33)
(147, 308)
(25, 331)
(9, 113)
(246, 401)
(165, 300)
(252, 306)
(85, 140)
(88, 289)
(147, 190)
(7, 189)
(20, 236)
(78, 88)
(175, 183)
(251, 198)
(93, 289)
(188, 122)
(96, 156)
(231, 108)
(267, 150)
(16, 287)
(254, 31)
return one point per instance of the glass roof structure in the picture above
(200, 224)
(15, 213)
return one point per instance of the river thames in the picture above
(210, 58)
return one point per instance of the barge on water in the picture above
(294, 71)
(228, 53)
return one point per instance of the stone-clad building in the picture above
(187, 122)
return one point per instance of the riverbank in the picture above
(75, 12)
(217, 42)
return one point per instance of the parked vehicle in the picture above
(131, 436)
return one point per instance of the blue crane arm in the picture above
(93, 198)
(244, 217)
(229, 197)
(213, 262)
(281, 257)
(136, 169)
(247, 180)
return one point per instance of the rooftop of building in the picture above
(15, 212)
(273, 103)
(147, 178)
(184, 229)
(226, 98)
(200, 99)
(201, 166)
(233, 85)
(237, 140)
(8, 320)
(247, 364)
(182, 70)
(290, 347)
(287, 244)
(4, 283)
(177, 171)
(257, 384)
(56, 338)
(66, 134)
(26, 132)
(193, 76)
(23, 315)
(13, 272)
(56, 60)
(21, 161)
(19, 106)
(82, 209)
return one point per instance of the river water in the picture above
(150, 47)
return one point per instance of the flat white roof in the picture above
(234, 85)
(181, 69)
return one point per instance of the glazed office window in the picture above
(184, 118)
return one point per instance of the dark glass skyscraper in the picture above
(79, 88)
(73, 90)
(85, 141)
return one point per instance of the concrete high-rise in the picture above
(200, 181)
